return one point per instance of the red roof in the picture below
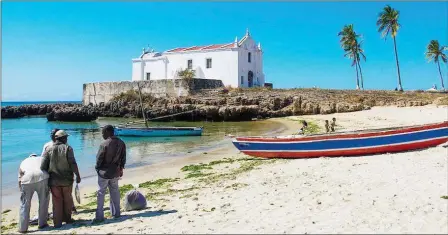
(201, 48)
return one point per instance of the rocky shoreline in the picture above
(230, 105)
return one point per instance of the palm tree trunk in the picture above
(357, 78)
(360, 72)
(400, 87)
(441, 78)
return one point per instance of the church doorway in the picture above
(250, 79)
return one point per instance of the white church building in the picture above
(237, 64)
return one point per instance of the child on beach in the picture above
(333, 124)
(327, 126)
(304, 126)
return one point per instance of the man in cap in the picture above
(59, 161)
(49, 144)
(110, 162)
(32, 179)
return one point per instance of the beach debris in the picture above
(134, 200)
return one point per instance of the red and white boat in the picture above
(346, 143)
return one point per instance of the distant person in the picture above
(303, 128)
(59, 161)
(333, 124)
(110, 162)
(32, 179)
(327, 126)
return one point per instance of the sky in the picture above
(50, 49)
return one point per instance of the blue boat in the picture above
(354, 143)
(147, 131)
(158, 131)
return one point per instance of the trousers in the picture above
(114, 192)
(27, 191)
(62, 204)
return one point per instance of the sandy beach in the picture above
(233, 193)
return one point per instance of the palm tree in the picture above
(433, 53)
(352, 49)
(388, 23)
(360, 52)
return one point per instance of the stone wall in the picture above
(96, 93)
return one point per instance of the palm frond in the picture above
(444, 58)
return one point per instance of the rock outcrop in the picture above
(80, 114)
(231, 105)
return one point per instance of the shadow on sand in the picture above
(88, 223)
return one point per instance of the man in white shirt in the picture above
(33, 179)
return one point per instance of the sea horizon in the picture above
(19, 103)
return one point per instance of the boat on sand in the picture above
(353, 143)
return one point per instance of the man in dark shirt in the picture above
(110, 162)
(59, 161)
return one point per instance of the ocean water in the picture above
(18, 103)
(21, 137)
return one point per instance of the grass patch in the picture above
(195, 171)
(6, 211)
(125, 188)
(9, 226)
(444, 197)
(246, 164)
(197, 174)
(223, 161)
(157, 183)
(198, 167)
(88, 205)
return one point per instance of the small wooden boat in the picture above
(158, 131)
(147, 131)
(346, 143)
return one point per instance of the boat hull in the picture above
(159, 131)
(345, 144)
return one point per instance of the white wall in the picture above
(256, 64)
(224, 66)
(136, 70)
(227, 65)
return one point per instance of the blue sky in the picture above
(50, 49)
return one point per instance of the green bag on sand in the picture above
(77, 194)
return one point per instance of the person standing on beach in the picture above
(59, 161)
(333, 124)
(327, 126)
(110, 162)
(49, 144)
(32, 179)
